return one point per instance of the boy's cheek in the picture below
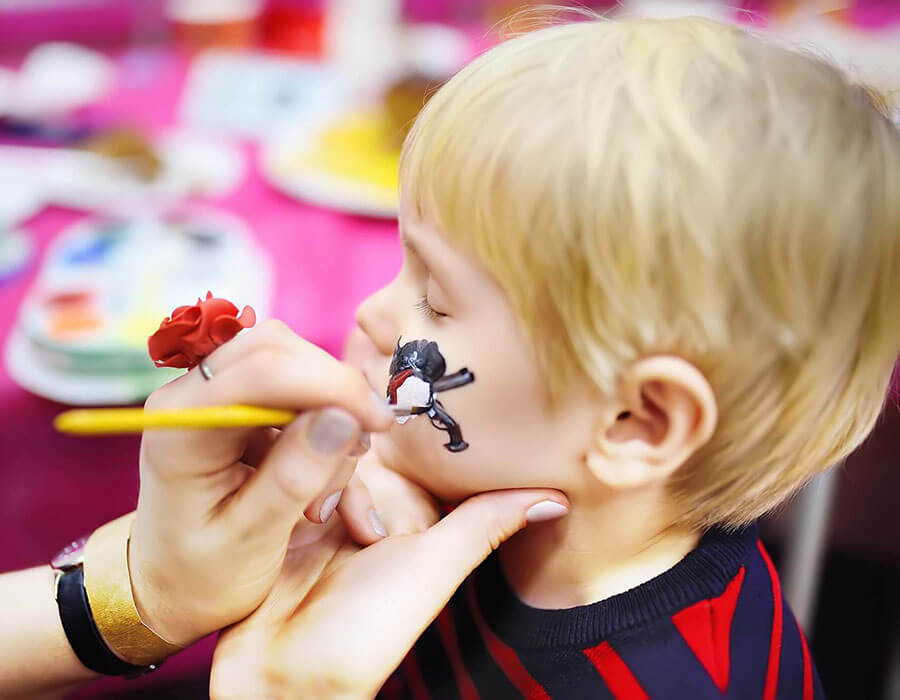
(416, 450)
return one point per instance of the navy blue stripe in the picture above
(751, 631)
(790, 668)
(489, 679)
(664, 664)
(435, 666)
(565, 674)
(397, 680)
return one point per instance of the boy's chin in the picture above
(430, 477)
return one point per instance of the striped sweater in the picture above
(715, 625)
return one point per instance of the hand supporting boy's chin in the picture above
(314, 552)
(339, 618)
(405, 506)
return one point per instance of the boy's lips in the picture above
(402, 413)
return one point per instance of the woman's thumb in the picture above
(479, 525)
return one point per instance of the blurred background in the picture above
(151, 150)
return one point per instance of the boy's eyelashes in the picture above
(427, 310)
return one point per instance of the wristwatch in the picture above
(78, 620)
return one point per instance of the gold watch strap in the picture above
(108, 584)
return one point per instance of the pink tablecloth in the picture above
(53, 488)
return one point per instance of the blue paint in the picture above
(96, 249)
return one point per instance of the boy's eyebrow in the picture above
(433, 262)
(406, 243)
(409, 248)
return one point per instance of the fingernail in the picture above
(545, 510)
(382, 406)
(329, 505)
(362, 445)
(376, 523)
(330, 431)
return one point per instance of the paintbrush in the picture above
(109, 421)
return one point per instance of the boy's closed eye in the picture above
(428, 310)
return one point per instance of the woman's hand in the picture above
(343, 635)
(240, 661)
(217, 507)
(359, 621)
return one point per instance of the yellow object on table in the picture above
(349, 162)
(357, 148)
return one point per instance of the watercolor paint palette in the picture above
(104, 286)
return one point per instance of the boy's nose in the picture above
(374, 316)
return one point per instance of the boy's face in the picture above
(514, 439)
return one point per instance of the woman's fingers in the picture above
(462, 540)
(268, 366)
(404, 507)
(298, 381)
(239, 659)
(271, 366)
(326, 503)
(258, 445)
(274, 334)
(359, 515)
(261, 441)
(305, 470)
(391, 591)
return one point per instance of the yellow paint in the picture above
(356, 148)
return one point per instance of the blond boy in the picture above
(668, 252)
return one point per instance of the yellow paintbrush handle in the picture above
(105, 421)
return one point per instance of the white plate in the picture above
(24, 365)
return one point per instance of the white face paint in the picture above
(413, 392)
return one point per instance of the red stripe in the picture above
(504, 656)
(807, 668)
(775, 644)
(615, 673)
(706, 628)
(464, 682)
(414, 679)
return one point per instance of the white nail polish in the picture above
(545, 510)
(376, 523)
(329, 505)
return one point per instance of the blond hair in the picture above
(679, 186)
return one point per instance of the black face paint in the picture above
(417, 376)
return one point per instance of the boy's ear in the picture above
(664, 412)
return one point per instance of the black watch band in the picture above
(81, 631)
